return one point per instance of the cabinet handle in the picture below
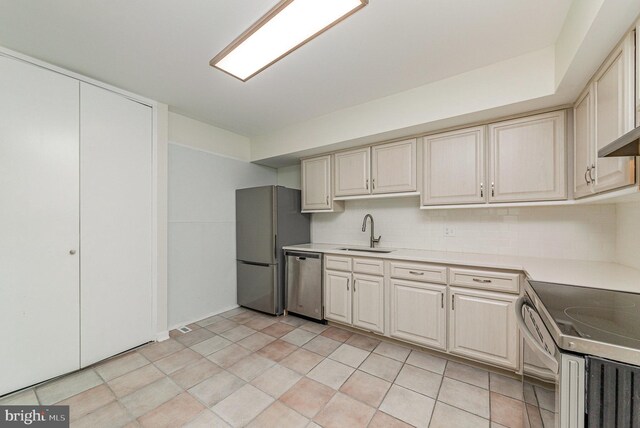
(493, 188)
(373, 184)
(354, 285)
(482, 281)
(453, 302)
(593, 168)
(587, 171)
(413, 272)
(482, 190)
(367, 184)
(442, 300)
(327, 200)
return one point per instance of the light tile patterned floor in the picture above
(243, 368)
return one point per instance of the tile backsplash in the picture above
(566, 232)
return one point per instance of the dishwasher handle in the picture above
(302, 256)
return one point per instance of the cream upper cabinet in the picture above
(368, 302)
(352, 172)
(418, 313)
(637, 34)
(393, 167)
(528, 159)
(337, 297)
(316, 183)
(482, 326)
(454, 167)
(614, 115)
(583, 123)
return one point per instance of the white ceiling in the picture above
(161, 49)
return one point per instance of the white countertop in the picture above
(585, 273)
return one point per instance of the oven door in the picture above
(541, 361)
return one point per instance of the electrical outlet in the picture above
(449, 231)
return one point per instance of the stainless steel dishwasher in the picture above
(304, 284)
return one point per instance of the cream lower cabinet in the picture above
(482, 326)
(337, 297)
(368, 302)
(418, 313)
(353, 297)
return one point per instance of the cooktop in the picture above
(590, 320)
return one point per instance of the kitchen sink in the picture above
(366, 250)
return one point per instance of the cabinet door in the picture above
(352, 172)
(614, 116)
(116, 207)
(454, 168)
(368, 302)
(316, 183)
(393, 167)
(583, 143)
(482, 326)
(527, 158)
(337, 297)
(39, 275)
(418, 313)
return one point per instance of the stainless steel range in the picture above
(581, 356)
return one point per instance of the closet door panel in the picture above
(116, 223)
(39, 294)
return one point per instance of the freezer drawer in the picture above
(257, 287)
(304, 284)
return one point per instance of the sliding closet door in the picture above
(39, 291)
(116, 223)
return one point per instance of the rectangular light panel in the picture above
(286, 27)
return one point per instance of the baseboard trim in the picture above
(200, 318)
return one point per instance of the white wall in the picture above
(289, 176)
(202, 267)
(190, 132)
(570, 232)
(628, 234)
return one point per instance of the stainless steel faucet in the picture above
(372, 241)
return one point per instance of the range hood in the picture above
(627, 145)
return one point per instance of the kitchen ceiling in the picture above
(161, 49)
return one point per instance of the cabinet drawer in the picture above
(370, 266)
(337, 263)
(508, 282)
(419, 272)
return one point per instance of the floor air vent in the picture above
(184, 329)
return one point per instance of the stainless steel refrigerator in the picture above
(267, 218)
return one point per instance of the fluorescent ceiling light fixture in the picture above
(286, 27)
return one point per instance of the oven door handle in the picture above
(549, 360)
